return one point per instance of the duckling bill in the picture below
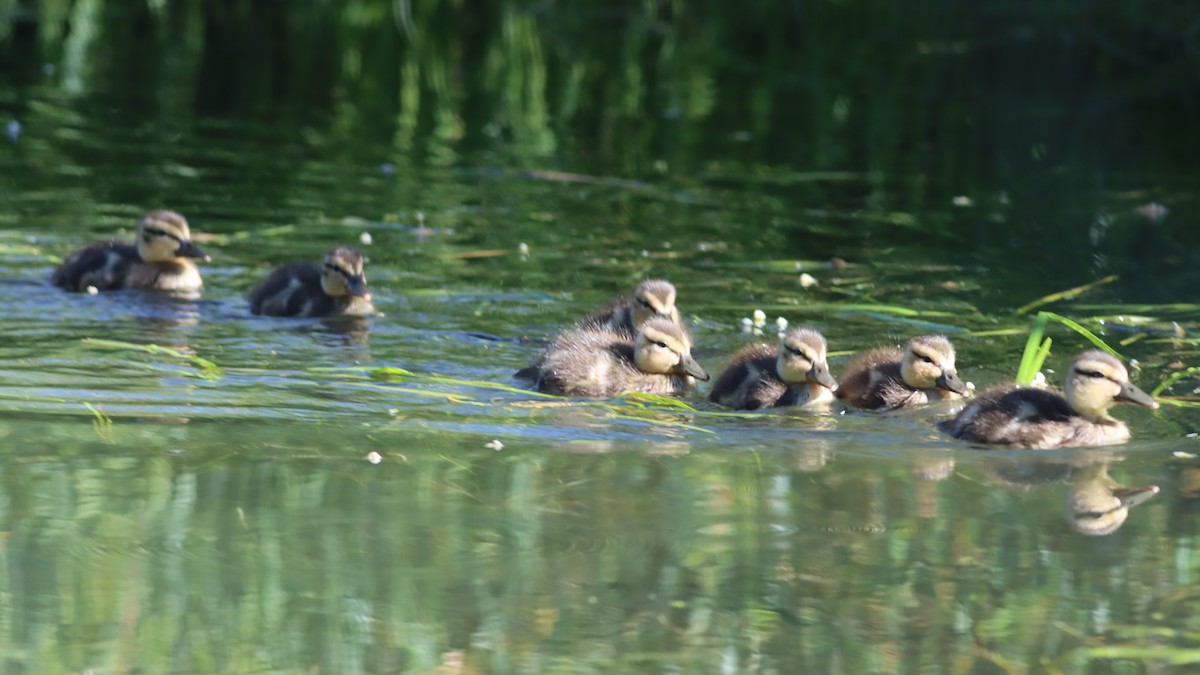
(601, 362)
(161, 259)
(338, 287)
(1025, 417)
(888, 378)
(793, 374)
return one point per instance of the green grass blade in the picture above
(1092, 337)
(1174, 377)
(208, 369)
(1029, 364)
(1069, 294)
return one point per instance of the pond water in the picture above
(276, 495)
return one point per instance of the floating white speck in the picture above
(92, 290)
(747, 324)
(781, 323)
(366, 238)
(970, 386)
(494, 445)
(523, 248)
(645, 253)
(1183, 455)
(757, 331)
(962, 200)
(1039, 379)
(13, 129)
(374, 457)
(807, 280)
(760, 318)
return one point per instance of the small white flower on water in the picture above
(523, 248)
(747, 324)
(781, 323)
(365, 238)
(374, 457)
(807, 280)
(760, 318)
(494, 445)
(92, 290)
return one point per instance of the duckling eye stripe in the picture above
(334, 268)
(162, 233)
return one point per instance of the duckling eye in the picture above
(1095, 374)
(334, 268)
(926, 358)
(661, 344)
(645, 303)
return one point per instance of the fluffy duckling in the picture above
(1024, 417)
(161, 260)
(1098, 505)
(886, 378)
(337, 288)
(650, 298)
(762, 376)
(601, 362)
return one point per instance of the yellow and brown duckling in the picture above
(600, 362)
(650, 298)
(792, 374)
(1098, 505)
(338, 287)
(161, 260)
(887, 378)
(1026, 417)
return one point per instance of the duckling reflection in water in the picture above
(1025, 417)
(337, 288)
(161, 260)
(887, 378)
(603, 362)
(650, 298)
(1098, 505)
(793, 374)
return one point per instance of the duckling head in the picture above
(1096, 380)
(664, 348)
(929, 363)
(654, 297)
(342, 273)
(1098, 505)
(802, 359)
(163, 236)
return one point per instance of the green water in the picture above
(305, 506)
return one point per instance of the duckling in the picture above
(1024, 417)
(886, 378)
(161, 260)
(650, 298)
(1098, 505)
(601, 362)
(762, 376)
(337, 288)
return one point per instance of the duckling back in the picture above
(598, 362)
(292, 290)
(749, 382)
(872, 381)
(103, 265)
(1024, 417)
